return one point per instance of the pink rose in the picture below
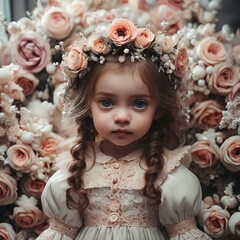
(121, 31)
(31, 51)
(215, 221)
(58, 76)
(211, 51)
(208, 202)
(139, 5)
(235, 54)
(27, 81)
(230, 154)
(76, 7)
(32, 187)
(28, 216)
(181, 62)
(15, 91)
(7, 232)
(234, 224)
(204, 155)
(176, 3)
(21, 157)
(207, 114)
(76, 60)
(5, 56)
(223, 78)
(57, 23)
(57, 99)
(98, 45)
(234, 92)
(8, 188)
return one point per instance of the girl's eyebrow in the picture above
(143, 95)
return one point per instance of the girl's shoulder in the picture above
(172, 160)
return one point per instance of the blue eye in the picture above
(106, 103)
(139, 104)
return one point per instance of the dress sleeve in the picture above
(181, 202)
(64, 222)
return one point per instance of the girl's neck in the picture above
(118, 152)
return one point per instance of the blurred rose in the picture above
(57, 99)
(70, 41)
(7, 232)
(15, 91)
(76, 7)
(21, 157)
(58, 76)
(167, 13)
(234, 92)
(30, 51)
(144, 38)
(176, 3)
(230, 153)
(211, 51)
(27, 81)
(181, 62)
(234, 224)
(122, 31)
(223, 78)
(5, 56)
(215, 221)
(57, 23)
(32, 187)
(139, 5)
(97, 44)
(28, 216)
(207, 114)
(8, 188)
(204, 155)
(208, 202)
(235, 54)
(76, 60)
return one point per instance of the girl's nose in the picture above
(122, 116)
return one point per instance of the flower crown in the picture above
(122, 38)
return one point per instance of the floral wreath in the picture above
(121, 37)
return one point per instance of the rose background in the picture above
(30, 106)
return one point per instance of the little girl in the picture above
(124, 178)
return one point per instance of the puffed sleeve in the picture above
(181, 202)
(64, 222)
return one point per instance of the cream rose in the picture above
(207, 114)
(8, 188)
(181, 62)
(121, 31)
(234, 224)
(21, 157)
(223, 78)
(204, 155)
(230, 153)
(30, 51)
(215, 221)
(57, 23)
(144, 38)
(7, 232)
(211, 51)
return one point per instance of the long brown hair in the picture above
(163, 133)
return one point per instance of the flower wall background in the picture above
(30, 106)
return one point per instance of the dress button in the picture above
(113, 217)
(114, 206)
(114, 180)
(116, 165)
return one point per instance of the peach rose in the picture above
(204, 155)
(207, 114)
(230, 153)
(121, 31)
(215, 221)
(27, 81)
(181, 62)
(234, 224)
(76, 60)
(8, 188)
(21, 157)
(234, 92)
(57, 23)
(7, 232)
(223, 78)
(211, 51)
(98, 45)
(32, 187)
(144, 38)
(30, 51)
(28, 216)
(15, 91)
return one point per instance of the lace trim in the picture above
(182, 227)
(64, 228)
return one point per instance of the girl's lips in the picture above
(123, 131)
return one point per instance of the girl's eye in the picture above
(139, 104)
(106, 103)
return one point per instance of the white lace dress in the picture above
(117, 209)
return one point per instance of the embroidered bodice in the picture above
(117, 206)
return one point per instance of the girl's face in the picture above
(122, 107)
